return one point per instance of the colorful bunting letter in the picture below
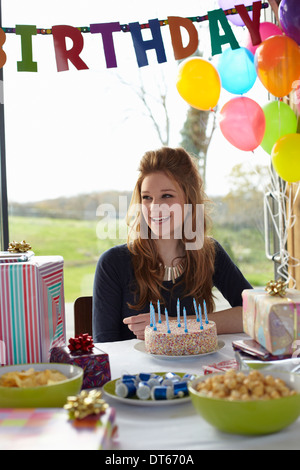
(142, 46)
(181, 52)
(2, 53)
(215, 17)
(252, 25)
(26, 32)
(107, 30)
(60, 33)
(217, 21)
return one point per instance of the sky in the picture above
(85, 131)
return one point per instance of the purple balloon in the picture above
(229, 4)
(289, 16)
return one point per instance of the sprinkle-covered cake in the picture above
(168, 339)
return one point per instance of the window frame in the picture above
(4, 237)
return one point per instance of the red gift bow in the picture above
(83, 343)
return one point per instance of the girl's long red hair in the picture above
(147, 264)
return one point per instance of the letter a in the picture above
(217, 40)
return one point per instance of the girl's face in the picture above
(162, 206)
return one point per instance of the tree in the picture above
(196, 135)
(154, 103)
(244, 201)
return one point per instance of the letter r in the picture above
(60, 33)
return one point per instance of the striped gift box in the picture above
(32, 309)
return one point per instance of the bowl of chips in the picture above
(252, 403)
(38, 385)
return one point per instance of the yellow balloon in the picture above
(199, 83)
(286, 157)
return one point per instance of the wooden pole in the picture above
(293, 242)
(4, 237)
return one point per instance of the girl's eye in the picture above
(146, 198)
(167, 195)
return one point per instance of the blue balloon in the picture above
(237, 70)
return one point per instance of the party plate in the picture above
(109, 390)
(141, 348)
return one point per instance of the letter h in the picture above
(142, 46)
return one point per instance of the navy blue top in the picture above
(113, 283)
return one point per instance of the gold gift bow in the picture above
(85, 404)
(19, 247)
(279, 288)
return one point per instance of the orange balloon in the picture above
(277, 62)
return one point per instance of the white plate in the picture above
(141, 348)
(109, 390)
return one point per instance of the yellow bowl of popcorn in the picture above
(38, 385)
(254, 403)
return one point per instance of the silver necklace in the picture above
(173, 272)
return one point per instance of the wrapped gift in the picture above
(32, 308)
(220, 367)
(273, 320)
(82, 352)
(51, 429)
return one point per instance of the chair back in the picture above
(83, 322)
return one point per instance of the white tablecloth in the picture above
(178, 427)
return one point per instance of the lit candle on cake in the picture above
(185, 322)
(167, 320)
(158, 309)
(151, 314)
(196, 309)
(178, 313)
(205, 312)
(154, 320)
(200, 317)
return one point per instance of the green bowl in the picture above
(249, 417)
(46, 396)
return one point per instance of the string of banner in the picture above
(126, 28)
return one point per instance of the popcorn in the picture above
(234, 385)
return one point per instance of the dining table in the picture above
(175, 425)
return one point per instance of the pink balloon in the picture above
(243, 123)
(266, 31)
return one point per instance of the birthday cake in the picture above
(169, 339)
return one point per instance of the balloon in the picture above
(229, 4)
(280, 120)
(266, 30)
(237, 70)
(199, 83)
(243, 123)
(286, 157)
(289, 17)
(277, 62)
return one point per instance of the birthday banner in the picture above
(250, 16)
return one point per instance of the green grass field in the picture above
(79, 244)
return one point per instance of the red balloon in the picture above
(243, 123)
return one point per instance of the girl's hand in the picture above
(137, 324)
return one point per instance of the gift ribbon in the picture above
(81, 343)
(276, 288)
(19, 247)
(279, 288)
(85, 404)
